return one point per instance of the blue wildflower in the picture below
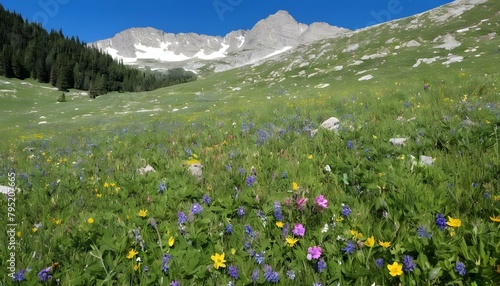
(19, 275)
(241, 211)
(44, 274)
(291, 274)
(196, 208)
(346, 210)
(166, 258)
(233, 271)
(229, 228)
(440, 221)
(146, 268)
(161, 188)
(255, 275)
(321, 265)
(350, 247)
(259, 258)
(277, 212)
(206, 199)
(460, 268)
(422, 232)
(270, 275)
(251, 180)
(350, 145)
(249, 231)
(284, 175)
(379, 262)
(409, 263)
(181, 217)
(175, 283)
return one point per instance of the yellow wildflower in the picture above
(106, 185)
(143, 213)
(309, 157)
(495, 219)
(58, 221)
(356, 234)
(384, 244)
(339, 219)
(90, 220)
(171, 241)
(233, 251)
(453, 222)
(280, 224)
(370, 242)
(395, 269)
(218, 260)
(136, 267)
(34, 229)
(132, 253)
(98, 195)
(18, 234)
(295, 186)
(291, 241)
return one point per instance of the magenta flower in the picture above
(301, 203)
(299, 230)
(313, 252)
(321, 201)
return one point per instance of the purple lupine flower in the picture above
(321, 265)
(346, 210)
(350, 247)
(277, 212)
(152, 222)
(285, 230)
(44, 274)
(175, 283)
(161, 188)
(229, 228)
(241, 211)
(251, 180)
(409, 263)
(460, 268)
(422, 232)
(270, 275)
(249, 231)
(255, 275)
(19, 275)
(440, 221)
(146, 268)
(379, 262)
(284, 175)
(206, 199)
(181, 217)
(166, 258)
(233, 271)
(259, 258)
(291, 274)
(350, 145)
(196, 208)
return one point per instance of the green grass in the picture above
(82, 164)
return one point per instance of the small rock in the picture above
(426, 160)
(195, 170)
(397, 141)
(146, 170)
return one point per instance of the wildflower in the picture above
(422, 232)
(301, 203)
(19, 275)
(285, 230)
(249, 231)
(206, 199)
(313, 252)
(346, 210)
(356, 234)
(270, 275)
(166, 258)
(299, 230)
(395, 269)
(291, 241)
(291, 274)
(495, 219)
(370, 242)
(454, 222)
(251, 180)
(229, 228)
(152, 223)
(277, 211)
(350, 247)
(325, 228)
(136, 266)
(146, 268)
(409, 263)
(279, 224)
(218, 260)
(460, 268)
(328, 168)
(89, 220)
(255, 275)
(196, 208)
(241, 211)
(259, 258)
(171, 241)
(309, 157)
(498, 268)
(295, 186)
(440, 221)
(317, 284)
(181, 217)
(132, 253)
(143, 213)
(233, 271)
(175, 283)
(321, 201)
(161, 188)
(44, 274)
(98, 195)
(384, 244)
(321, 265)
(379, 262)
(284, 175)
(233, 251)
(350, 145)
(18, 234)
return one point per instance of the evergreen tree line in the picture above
(29, 51)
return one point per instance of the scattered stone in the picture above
(195, 170)
(467, 122)
(331, 124)
(397, 141)
(146, 170)
(426, 160)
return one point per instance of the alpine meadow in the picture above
(368, 158)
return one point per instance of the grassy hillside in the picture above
(372, 213)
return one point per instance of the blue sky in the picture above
(93, 20)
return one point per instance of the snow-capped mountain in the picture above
(269, 37)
